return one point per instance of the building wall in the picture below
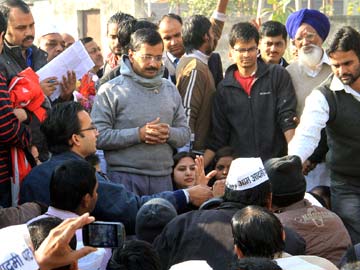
(66, 14)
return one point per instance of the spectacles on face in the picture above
(149, 58)
(244, 50)
(308, 36)
(89, 128)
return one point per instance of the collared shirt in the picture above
(199, 55)
(314, 72)
(99, 259)
(172, 58)
(313, 120)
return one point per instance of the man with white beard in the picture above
(308, 29)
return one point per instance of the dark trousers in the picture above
(345, 201)
(142, 184)
(5, 194)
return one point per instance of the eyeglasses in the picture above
(148, 57)
(308, 36)
(89, 128)
(244, 50)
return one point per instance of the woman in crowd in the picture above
(184, 170)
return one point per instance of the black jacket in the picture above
(254, 125)
(206, 235)
(12, 61)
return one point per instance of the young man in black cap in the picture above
(323, 231)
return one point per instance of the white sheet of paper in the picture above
(295, 263)
(73, 58)
(14, 249)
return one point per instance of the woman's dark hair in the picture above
(226, 151)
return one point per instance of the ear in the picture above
(74, 140)
(283, 235)
(131, 55)
(230, 54)
(238, 252)
(269, 202)
(206, 37)
(86, 200)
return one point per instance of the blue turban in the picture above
(312, 17)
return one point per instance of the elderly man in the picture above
(308, 30)
(335, 105)
(68, 39)
(140, 118)
(52, 43)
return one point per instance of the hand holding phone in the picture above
(104, 234)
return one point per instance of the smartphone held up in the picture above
(104, 234)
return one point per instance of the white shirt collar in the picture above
(171, 57)
(337, 85)
(199, 55)
(55, 212)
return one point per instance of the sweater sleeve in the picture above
(104, 116)
(220, 131)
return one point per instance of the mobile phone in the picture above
(104, 234)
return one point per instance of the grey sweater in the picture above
(125, 104)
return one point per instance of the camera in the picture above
(104, 234)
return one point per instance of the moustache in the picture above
(151, 69)
(28, 38)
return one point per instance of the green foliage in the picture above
(353, 7)
(279, 12)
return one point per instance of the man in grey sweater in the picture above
(140, 119)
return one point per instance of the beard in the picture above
(310, 55)
(349, 78)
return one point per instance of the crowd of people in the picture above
(251, 168)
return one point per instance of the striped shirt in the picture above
(12, 132)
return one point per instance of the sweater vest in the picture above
(343, 134)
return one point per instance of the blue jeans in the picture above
(345, 201)
(142, 184)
